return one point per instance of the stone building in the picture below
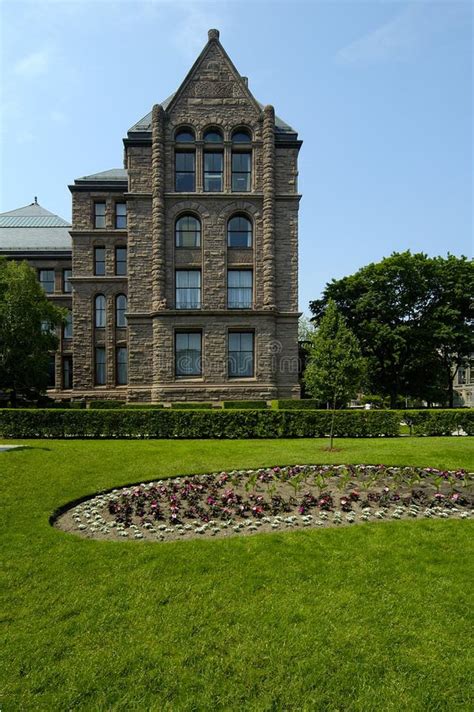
(185, 262)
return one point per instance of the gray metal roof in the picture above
(114, 174)
(33, 228)
(144, 125)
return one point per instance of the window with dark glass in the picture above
(213, 171)
(184, 136)
(67, 286)
(188, 353)
(213, 136)
(67, 328)
(241, 172)
(239, 289)
(100, 368)
(99, 309)
(46, 278)
(121, 260)
(67, 372)
(188, 289)
(122, 366)
(99, 215)
(184, 171)
(120, 310)
(46, 327)
(52, 371)
(120, 216)
(241, 354)
(99, 261)
(188, 231)
(471, 371)
(239, 232)
(461, 376)
(241, 136)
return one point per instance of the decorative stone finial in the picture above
(36, 200)
(213, 34)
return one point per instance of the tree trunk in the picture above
(332, 422)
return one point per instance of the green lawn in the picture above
(373, 617)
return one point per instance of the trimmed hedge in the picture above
(191, 406)
(106, 404)
(143, 406)
(245, 405)
(440, 422)
(296, 404)
(170, 423)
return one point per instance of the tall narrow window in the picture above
(121, 366)
(120, 310)
(461, 376)
(99, 261)
(100, 369)
(241, 354)
(67, 372)
(67, 328)
(213, 171)
(52, 371)
(239, 232)
(121, 260)
(471, 371)
(188, 353)
(67, 287)
(99, 308)
(120, 216)
(46, 278)
(188, 231)
(185, 171)
(239, 289)
(99, 215)
(188, 289)
(241, 172)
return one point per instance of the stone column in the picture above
(269, 207)
(158, 208)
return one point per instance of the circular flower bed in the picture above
(270, 499)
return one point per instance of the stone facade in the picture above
(212, 96)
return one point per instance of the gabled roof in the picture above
(143, 126)
(33, 228)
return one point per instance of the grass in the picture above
(368, 618)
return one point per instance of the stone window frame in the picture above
(240, 214)
(199, 289)
(242, 330)
(191, 330)
(66, 280)
(120, 246)
(48, 281)
(117, 216)
(95, 311)
(246, 147)
(238, 268)
(96, 215)
(67, 358)
(182, 128)
(118, 348)
(102, 348)
(68, 326)
(99, 246)
(191, 213)
(118, 310)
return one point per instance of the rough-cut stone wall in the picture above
(213, 96)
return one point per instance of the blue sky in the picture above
(380, 92)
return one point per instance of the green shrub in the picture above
(106, 404)
(77, 405)
(440, 422)
(143, 406)
(297, 404)
(191, 406)
(245, 405)
(169, 423)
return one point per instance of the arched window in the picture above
(241, 136)
(213, 136)
(188, 231)
(120, 309)
(239, 232)
(99, 310)
(184, 136)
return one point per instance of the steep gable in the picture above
(213, 80)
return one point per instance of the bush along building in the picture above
(185, 262)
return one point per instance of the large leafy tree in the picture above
(413, 317)
(335, 365)
(27, 324)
